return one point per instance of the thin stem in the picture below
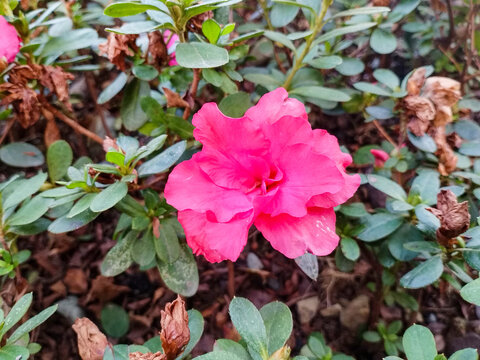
(316, 29)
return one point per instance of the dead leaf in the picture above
(443, 116)
(174, 99)
(76, 281)
(420, 112)
(157, 48)
(117, 47)
(454, 217)
(454, 140)
(195, 23)
(91, 341)
(55, 79)
(439, 5)
(104, 289)
(148, 356)
(51, 133)
(175, 333)
(442, 91)
(416, 80)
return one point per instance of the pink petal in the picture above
(216, 241)
(10, 43)
(352, 182)
(189, 188)
(274, 105)
(293, 236)
(305, 174)
(327, 144)
(228, 135)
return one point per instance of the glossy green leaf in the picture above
(278, 322)
(424, 274)
(131, 111)
(383, 42)
(121, 9)
(24, 190)
(109, 197)
(21, 154)
(419, 344)
(200, 55)
(471, 292)
(380, 225)
(163, 161)
(113, 88)
(59, 158)
(320, 92)
(115, 320)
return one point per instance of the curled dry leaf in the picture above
(157, 48)
(51, 133)
(148, 356)
(174, 99)
(442, 91)
(416, 81)
(420, 112)
(55, 79)
(454, 140)
(91, 342)
(117, 47)
(175, 333)
(454, 217)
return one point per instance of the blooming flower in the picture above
(380, 157)
(10, 43)
(171, 39)
(269, 169)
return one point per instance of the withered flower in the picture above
(91, 342)
(175, 333)
(117, 47)
(148, 356)
(454, 217)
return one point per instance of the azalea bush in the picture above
(313, 159)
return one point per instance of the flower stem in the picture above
(319, 22)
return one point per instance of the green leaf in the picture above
(24, 190)
(59, 158)
(31, 324)
(320, 92)
(127, 9)
(471, 292)
(231, 347)
(249, 324)
(109, 197)
(64, 224)
(326, 62)
(424, 274)
(380, 225)
(407, 233)
(427, 185)
(371, 336)
(145, 72)
(424, 143)
(182, 275)
(16, 313)
(211, 30)
(309, 265)
(419, 344)
(355, 210)
(350, 248)
(137, 27)
(21, 154)
(131, 111)
(387, 77)
(283, 14)
(465, 354)
(115, 320)
(383, 42)
(167, 245)
(70, 41)
(344, 30)
(200, 55)
(196, 325)
(30, 212)
(163, 161)
(218, 355)
(143, 250)
(14, 352)
(278, 322)
(379, 112)
(316, 344)
(367, 10)
(350, 66)
(371, 88)
(387, 186)
(235, 105)
(280, 38)
(113, 88)
(119, 258)
(470, 148)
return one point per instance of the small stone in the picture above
(331, 311)
(356, 313)
(307, 309)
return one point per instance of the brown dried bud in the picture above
(175, 333)
(91, 342)
(454, 217)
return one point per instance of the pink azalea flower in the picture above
(268, 169)
(171, 39)
(380, 157)
(10, 43)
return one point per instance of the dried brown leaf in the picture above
(104, 289)
(55, 79)
(174, 99)
(443, 116)
(454, 140)
(175, 333)
(91, 341)
(420, 112)
(51, 133)
(157, 48)
(117, 47)
(454, 216)
(76, 281)
(416, 80)
(442, 91)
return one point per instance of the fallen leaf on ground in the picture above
(91, 341)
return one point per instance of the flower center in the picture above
(272, 181)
